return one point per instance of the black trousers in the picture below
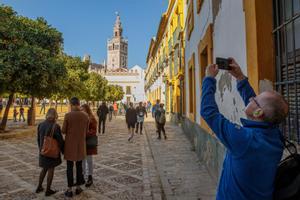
(137, 126)
(101, 121)
(161, 127)
(79, 174)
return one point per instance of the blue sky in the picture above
(87, 24)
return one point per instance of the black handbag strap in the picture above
(288, 145)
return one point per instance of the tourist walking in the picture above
(141, 112)
(75, 127)
(49, 127)
(160, 118)
(91, 145)
(115, 109)
(15, 114)
(43, 106)
(21, 110)
(154, 109)
(131, 119)
(254, 149)
(111, 110)
(102, 114)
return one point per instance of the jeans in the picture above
(79, 175)
(161, 127)
(101, 121)
(87, 165)
(137, 127)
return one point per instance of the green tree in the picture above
(29, 62)
(114, 93)
(95, 87)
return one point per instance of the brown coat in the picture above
(75, 127)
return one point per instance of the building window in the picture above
(199, 5)
(192, 88)
(205, 52)
(128, 90)
(287, 41)
(190, 19)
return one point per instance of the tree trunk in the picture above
(33, 108)
(56, 105)
(5, 115)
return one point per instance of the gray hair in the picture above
(51, 115)
(275, 108)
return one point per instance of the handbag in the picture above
(287, 180)
(50, 145)
(92, 141)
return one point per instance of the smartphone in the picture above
(223, 63)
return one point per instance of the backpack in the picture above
(287, 179)
(162, 117)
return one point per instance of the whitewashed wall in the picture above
(136, 82)
(229, 40)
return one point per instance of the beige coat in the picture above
(75, 127)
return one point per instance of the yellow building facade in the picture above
(164, 77)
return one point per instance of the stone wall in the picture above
(209, 150)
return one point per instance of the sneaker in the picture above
(39, 189)
(78, 190)
(159, 137)
(68, 193)
(130, 138)
(165, 137)
(141, 133)
(50, 192)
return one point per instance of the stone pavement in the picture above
(182, 176)
(142, 169)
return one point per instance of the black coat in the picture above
(131, 116)
(44, 129)
(102, 111)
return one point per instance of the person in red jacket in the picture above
(88, 161)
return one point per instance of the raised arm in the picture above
(243, 86)
(234, 137)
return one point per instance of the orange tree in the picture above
(29, 61)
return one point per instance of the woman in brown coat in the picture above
(91, 134)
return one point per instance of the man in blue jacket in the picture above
(253, 149)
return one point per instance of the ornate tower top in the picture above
(118, 26)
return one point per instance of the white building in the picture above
(116, 71)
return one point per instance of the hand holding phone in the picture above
(223, 63)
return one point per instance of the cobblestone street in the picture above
(142, 169)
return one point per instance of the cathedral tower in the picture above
(117, 48)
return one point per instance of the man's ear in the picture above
(258, 113)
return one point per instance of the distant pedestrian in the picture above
(46, 128)
(43, 106)
(15, 114)
(131, 119)
(160, 118)
(75, 127)
(21, 110)
(115, 109)
(154, 109)
(141, 112)
(111, 110)
(102, 114)
(91, 149)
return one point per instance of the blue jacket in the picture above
(253, 151)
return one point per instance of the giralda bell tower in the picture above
(117, 48)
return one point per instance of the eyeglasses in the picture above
(255, 101)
